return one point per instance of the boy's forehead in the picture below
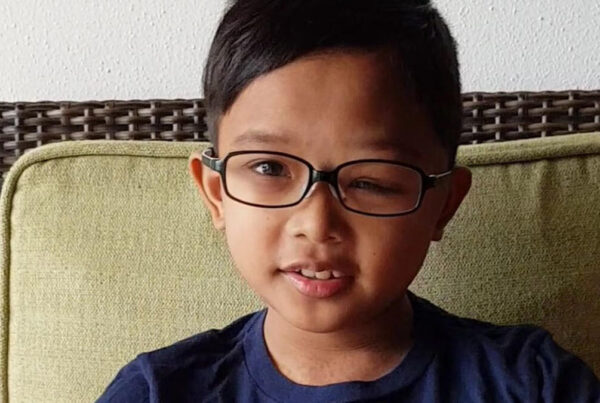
(342, 99)
(395, 143)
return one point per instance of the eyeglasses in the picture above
(271, 179)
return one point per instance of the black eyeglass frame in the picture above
(220, 166)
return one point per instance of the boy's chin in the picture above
(317, 318)
(336, 314)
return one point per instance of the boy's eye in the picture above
(371, 186)
(269, 168)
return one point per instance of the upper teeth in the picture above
(321, 275)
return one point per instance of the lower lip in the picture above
(317, 288)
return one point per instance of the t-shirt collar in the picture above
(262, 370)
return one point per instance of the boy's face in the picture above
(330, 109)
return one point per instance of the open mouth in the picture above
(318, 284)
(319, 275)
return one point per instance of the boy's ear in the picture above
(209, 186)
(460, 183)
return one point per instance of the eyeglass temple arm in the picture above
(213, 163)
(432, 180)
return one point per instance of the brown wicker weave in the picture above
(488, 117)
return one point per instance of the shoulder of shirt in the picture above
(473, 332)
(521, 352)
(129, 385)
(201, 350)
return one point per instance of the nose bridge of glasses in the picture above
(323, 176)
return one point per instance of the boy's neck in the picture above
(362, 353)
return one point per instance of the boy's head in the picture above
(330, 82)
(256, 37)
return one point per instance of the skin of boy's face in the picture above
(327, 109)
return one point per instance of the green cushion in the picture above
(525, 245)
(108, 251)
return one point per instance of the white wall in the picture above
(124, 49)
(511, 45)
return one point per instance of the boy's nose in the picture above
(317, 216)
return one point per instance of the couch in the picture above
(107, 250)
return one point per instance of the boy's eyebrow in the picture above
(387, 145)
(261, 137)
(377, 144)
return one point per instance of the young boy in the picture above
(334, 126)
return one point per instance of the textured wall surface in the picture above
(526, 45)
(104, 49)
(79, 50)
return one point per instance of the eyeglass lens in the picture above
(274, 180)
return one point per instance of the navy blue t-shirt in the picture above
(453, 359)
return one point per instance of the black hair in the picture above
(256, 37)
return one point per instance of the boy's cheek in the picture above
(255, 234)
(244, 217)
(248, 229)
(406, 240)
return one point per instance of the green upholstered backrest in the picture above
(108, 251)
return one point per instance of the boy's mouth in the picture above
(316, 281)
(318, 271)
(320, 275)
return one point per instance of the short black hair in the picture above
(256, 37)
